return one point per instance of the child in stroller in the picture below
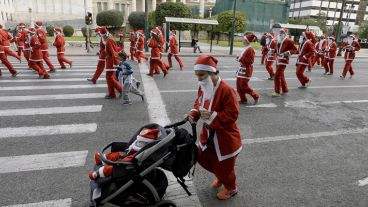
(137, 180)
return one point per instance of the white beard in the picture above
(104, 41)
(207, 88)
(268, 41)
(350, 41)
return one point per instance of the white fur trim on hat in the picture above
(204, 67)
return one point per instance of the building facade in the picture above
(354, 11)
(6, 11)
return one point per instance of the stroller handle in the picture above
(191, 122)
(104, 160)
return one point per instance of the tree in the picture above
(363, 30)
(171, 9)
(50, 30)
(151, 19)
(212, 28)
(136, 20)
(225, 22)
(320, 21)
(110, 18)
(68, 30)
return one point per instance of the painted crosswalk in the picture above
(49, 87)
(53, 203)
(52, 97)
(51, 110)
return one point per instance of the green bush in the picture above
(68, 31)
(170, 9)
(84, 31)
(50, 30)
(136, 20)
(110, 18)
(225, 21)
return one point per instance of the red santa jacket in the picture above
(285, 48)
(264, 50)
(132, 40)
(224, 108)
(162, 43)
(18, 40)
(1, 45)
(102, 52)
(272, 48)
(140, 45)
(36, 53)
(155, 48)
(111, 55)
(331, 50)
(321, 47)
(41, 34)
(174, 46)
(6, 38)
(246, 60)
(306, 50)
(59, 43)
(24, 37)
(351, 49)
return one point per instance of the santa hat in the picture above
(148, 135)
(38, 24)
(206, 63)
(308, 35)
(265, 34)
(97, 30)
(131, 31)
(121, 34)
(32, 30)
(155, 31)
(283, 30)
(21, 25)
(160, 28)
(57, 29)
(140, 32)
(332, 37)
(271, 34)
(103, 31)
(173, 32)
(250, 37)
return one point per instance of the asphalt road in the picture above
(307, 148)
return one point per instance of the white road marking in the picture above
(158, 114)
(42, 161)
(46, 80)
(47, 130)
(60, 74)
(306, 136)
(51, 87)
(363, 182)
(51, 97)
(345, 102)
(270, 105)
(53, 203)
(25, 71)
(51, 110)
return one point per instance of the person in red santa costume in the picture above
(351, 47)
(320, 46)
(41, 34)
(174, 50)
(220, 141)
(101, 58)
(19, 42)
(264, 50)
(145, 137)
(120, 42)
(160, 30)
(27, 48)
(305, 52)
(132, 40)
(245, 71)
(36, 54)
(59, 43)
(155, 60)
(139, 48)
(4, 59)
(271, 44)
(330, 50)
(285, 48)
(111, 63)
(6, 37)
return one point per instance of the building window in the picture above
(104, 6)
(99, 7)
(123, 8)
(117, 6)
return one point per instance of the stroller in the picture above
(141, 182)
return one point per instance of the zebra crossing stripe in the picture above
(47, 161)
(53, 203)
(47, 130)
(46, 80)
(51, 110)
(51, 97)
(50, 87)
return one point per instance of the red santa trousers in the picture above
(318, 59)
(45, 56)
(169, 56)
(7, 64)
(99, 70)
(27, 54)
(157, 63)
(280, 82)
(224, 170)
(310, 63)
(9, 52)
(328, 64)
(38, 66)
(20, 50)
(347, 68)
(269, 68)
(243, 88)
(139, 56)
(263, 58)
(300, 68)
(132, 50)
(62, 59)
(112, 84)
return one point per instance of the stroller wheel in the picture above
(165, 203)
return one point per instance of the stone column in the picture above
(110, 5)
(201, 8)
(143, 5)
(154, 5)
(134, 5)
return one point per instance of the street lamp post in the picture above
(30, 16)
(233, 29)
(146, 32)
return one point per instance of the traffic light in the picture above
(89, 18)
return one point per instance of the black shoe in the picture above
(109, 97)
(138, 84)
(142, 97)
